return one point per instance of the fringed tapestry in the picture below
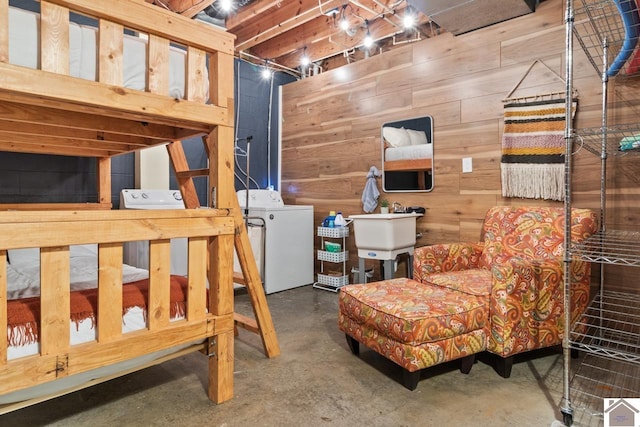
(533, 148)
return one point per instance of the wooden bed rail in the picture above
(54, 231)
(207, 101)
(420, 166)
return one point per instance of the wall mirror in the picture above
(407, 155)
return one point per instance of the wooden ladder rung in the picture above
(246, 323)
(192, 173)
(239, 278)
(262, 324)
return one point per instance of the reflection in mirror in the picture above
(407, 155)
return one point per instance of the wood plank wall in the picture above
(331, 123)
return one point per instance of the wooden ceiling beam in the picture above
(268, 34)
(251, 11)
(188, 8)
(279, 20)
(336, 44)
(315, 31)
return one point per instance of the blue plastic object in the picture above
(629, 11)
(329, 221)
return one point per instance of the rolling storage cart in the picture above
(333, 256)
(608, 335)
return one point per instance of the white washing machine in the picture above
(137, 253)
(287, 258)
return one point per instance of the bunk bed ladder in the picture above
(250, 276)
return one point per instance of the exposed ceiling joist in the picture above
(283, 31)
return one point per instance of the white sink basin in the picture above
(384, 236)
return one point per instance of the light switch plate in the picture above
(467, 165)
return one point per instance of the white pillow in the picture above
(396, 137)
(417, 137)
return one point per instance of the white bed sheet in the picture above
(24, 45)
(409, 152)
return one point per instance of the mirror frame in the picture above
(410, 174)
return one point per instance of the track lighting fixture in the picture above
(409, 19)
(266, 71)
(304, 60)
(344, 22)
(226, 5)
(368, 40)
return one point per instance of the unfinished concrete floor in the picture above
(316, 381)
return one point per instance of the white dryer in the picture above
(287, 256)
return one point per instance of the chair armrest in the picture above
(527, 303)
(443, 258)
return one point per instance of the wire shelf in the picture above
(594, 22)
(618, 140)
(334, 232)
(331, 283)
(597, 378)
(610, 327)
(333, 256)
(610, 247)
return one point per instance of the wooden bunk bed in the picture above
(408, 165)
(46, 110)
(420, 166)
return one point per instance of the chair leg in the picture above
(467, 363)
(504, 365)
(353, 344)
(410, 379)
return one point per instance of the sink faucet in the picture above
(397, 207)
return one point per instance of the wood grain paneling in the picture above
(331, 124)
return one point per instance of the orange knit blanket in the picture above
(23, 315)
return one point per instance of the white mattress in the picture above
(24, 46)
(24, 282)
(409, 152)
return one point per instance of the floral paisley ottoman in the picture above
(415, 325)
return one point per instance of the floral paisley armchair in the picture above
(517, 268)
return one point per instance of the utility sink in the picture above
(384, 236)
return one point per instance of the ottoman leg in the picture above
(467, 363)
(353, 344)
(410, 379)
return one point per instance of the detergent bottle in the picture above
(330, 220)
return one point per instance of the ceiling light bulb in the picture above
(368, 40)
(408, 21)
(266, 73)
(226, 5)
(344, 24)
(304, 60)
